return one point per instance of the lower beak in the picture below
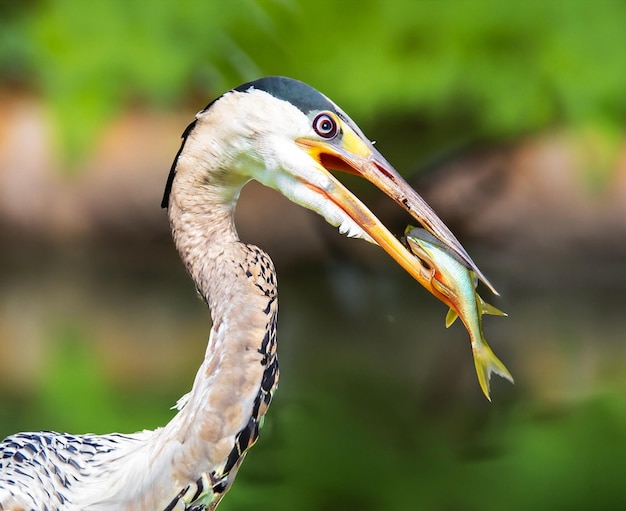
(359, 157)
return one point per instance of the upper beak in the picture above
(355, 155)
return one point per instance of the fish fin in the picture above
(486, 363)
(451, 317)
(486, 308)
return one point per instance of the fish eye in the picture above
(325, 125)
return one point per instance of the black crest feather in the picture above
(299, 94)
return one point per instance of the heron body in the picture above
(288, 136)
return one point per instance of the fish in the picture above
(455, 285)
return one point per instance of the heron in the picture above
(289, 137)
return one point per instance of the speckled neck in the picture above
(233, 388)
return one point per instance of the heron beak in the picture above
(355, 155)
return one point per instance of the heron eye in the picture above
(325, 125)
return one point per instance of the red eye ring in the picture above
(325, 125)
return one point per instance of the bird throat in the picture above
(235, 385)
(221, 418)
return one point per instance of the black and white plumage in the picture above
(288, 136)
(44, 468)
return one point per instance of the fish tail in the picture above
(486, 363)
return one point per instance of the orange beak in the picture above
(352, 154)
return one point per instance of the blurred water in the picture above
(378, 405)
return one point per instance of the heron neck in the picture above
(220, 418)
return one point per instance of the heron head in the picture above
(290, 137)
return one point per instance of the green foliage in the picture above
(74, 393)
(61, 396)
(91, 59)
(515, 65)
(509, 67)
(327, 455)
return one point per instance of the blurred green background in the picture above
(378, 406)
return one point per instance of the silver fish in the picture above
(455, 284)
